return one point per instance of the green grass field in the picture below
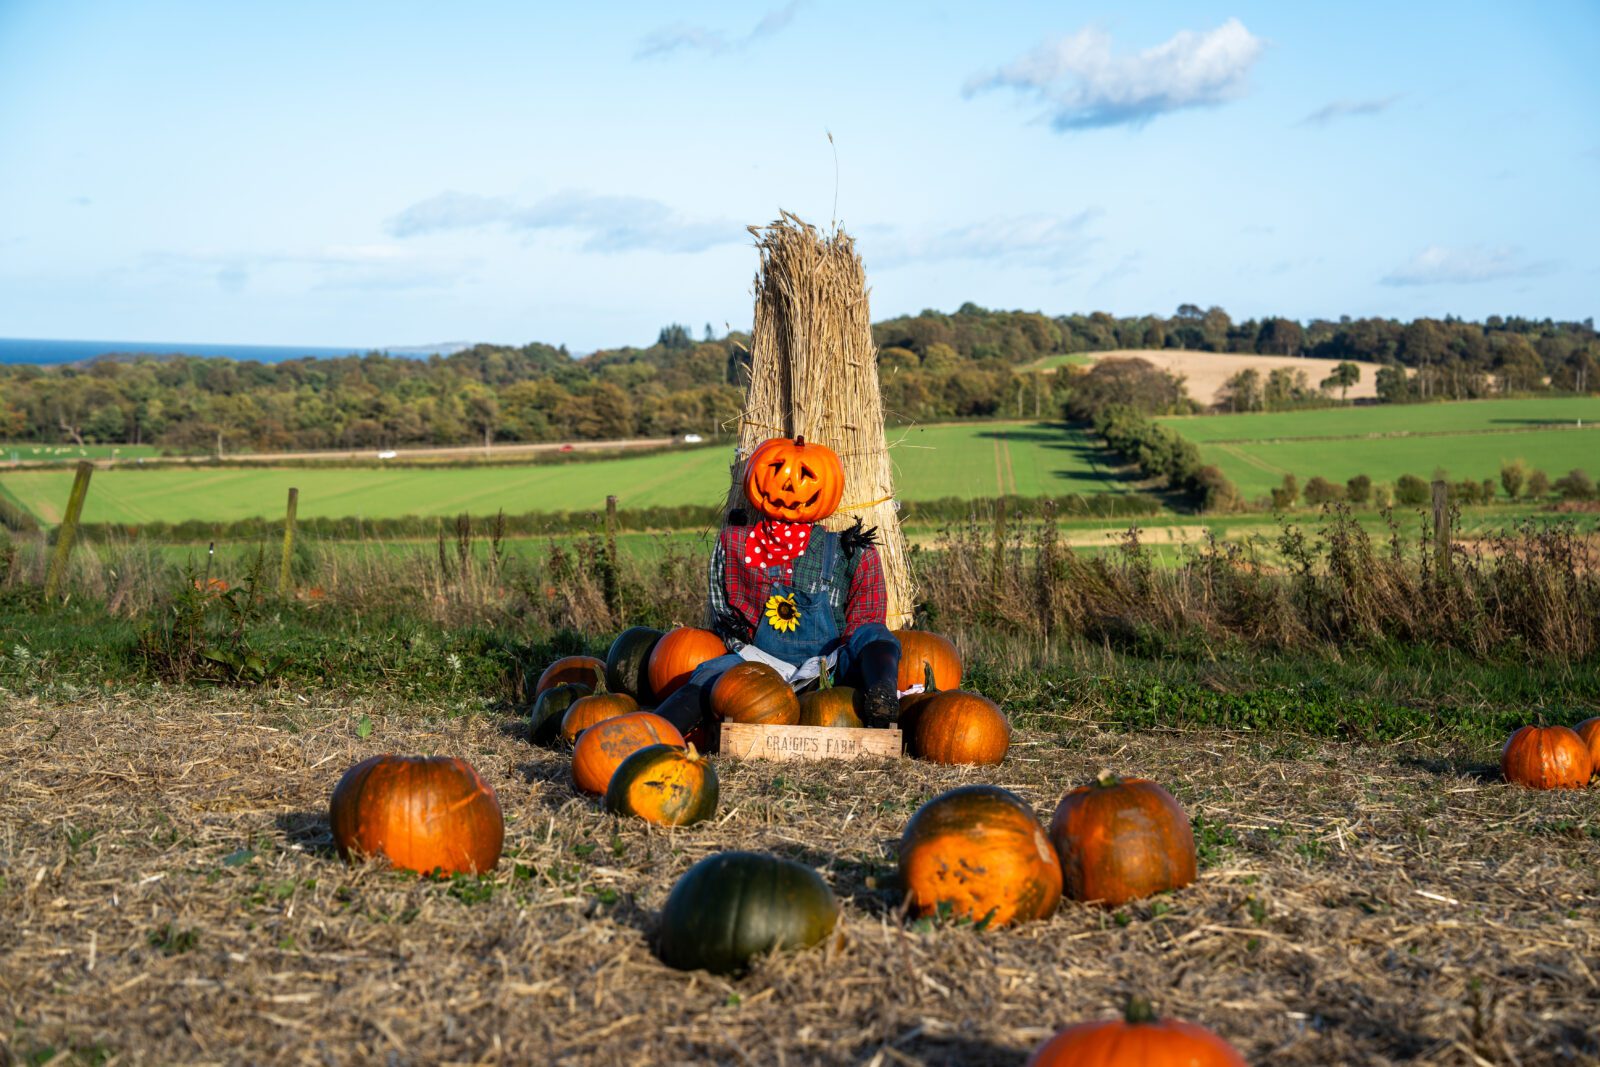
(1469, 439)
(33, 452)
(976, 459)
(1461, 416)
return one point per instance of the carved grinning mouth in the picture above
(790, 505)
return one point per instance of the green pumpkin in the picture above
(628, 663)
(545, 723)
(734, 906)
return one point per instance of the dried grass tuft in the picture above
(814, 371)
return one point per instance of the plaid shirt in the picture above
(739, 591)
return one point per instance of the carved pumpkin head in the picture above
(794, 480)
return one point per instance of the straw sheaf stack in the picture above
(814, 371)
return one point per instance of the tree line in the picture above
(971, 363)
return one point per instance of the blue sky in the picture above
(402, 173)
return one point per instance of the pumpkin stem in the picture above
(928, 685)
(799, 440)
(1106, 779)
(825, 679)
(1139, 1010)
(692, 753)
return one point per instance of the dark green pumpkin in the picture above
(545, 724)
(628, 663)
(733, 906)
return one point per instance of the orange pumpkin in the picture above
(421, 813)
(1138, 1039)
(980, 852)
(582, 670)
(1589, 730)
(595, 708)
(601, 750)
(960, 727)
(676, 656)
(1122, 838)
(911, 704)
(754, 693)
(794, 480)
(830, 705)
(1547, 757)
(922, 650)
(665, 785)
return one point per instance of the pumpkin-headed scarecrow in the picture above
(788, 593)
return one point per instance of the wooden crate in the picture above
(760, 741)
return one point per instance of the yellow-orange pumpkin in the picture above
(980, 852)
(676, 656)
(582, 670)
(601, 748)
(595, 708)
(923, 649)
(831, 705)
(1138, 1039)
(1547, 757)
(960, 727)
(1120, 839)
(421, 813)
(665, 785)
(754, 693)
(794, 480)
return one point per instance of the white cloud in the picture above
(1084, 86)
(1342, 109)
(1438, 265)
(606, 223)
(1027, 240)
(683, 36)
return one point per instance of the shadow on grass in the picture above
(308, 831)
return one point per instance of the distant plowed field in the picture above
(1204, 372)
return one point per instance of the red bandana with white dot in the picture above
(776, 544)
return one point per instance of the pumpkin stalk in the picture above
(1106, 779)
(1139, 1010)
(928, 685)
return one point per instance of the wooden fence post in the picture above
(67, 532)
(1441, 524)
(612, 585)
(285, 575)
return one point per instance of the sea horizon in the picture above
(56, 352)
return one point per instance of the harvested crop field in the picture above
(170, 896)
(1205, 372)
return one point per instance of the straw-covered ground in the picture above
(170, 896)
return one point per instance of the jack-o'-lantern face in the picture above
(794, 480)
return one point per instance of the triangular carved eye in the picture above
(805, 473)
(777, 468)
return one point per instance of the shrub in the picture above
(1486, 491)
(1358, 490)
(1284, 497)
(1410, 490)
(1576, 485)
(1538, 485)
(1513, 476)
(1320, 491)
(1160, 453)
(1383, 496)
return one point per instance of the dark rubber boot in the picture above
(685, 708)
(879, 670)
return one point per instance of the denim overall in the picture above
(818, 632)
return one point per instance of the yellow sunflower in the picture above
(782, 613)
